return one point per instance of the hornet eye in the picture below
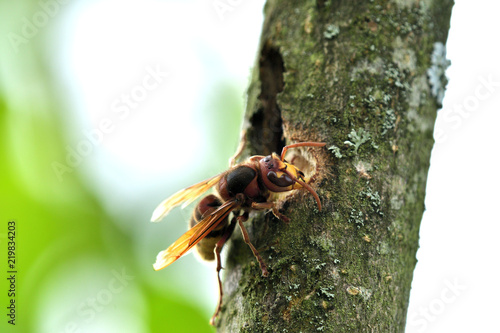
(283, 181)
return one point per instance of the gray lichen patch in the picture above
(436, 72)
(331, 31)
(363, 168)
(356, 139)
(419, 89)
(373, 67)
(418, 121)
(336, 151)
(408, 3)
(384, 248)
(405, 58)
(398, 189)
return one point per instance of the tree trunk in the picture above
(366, 77)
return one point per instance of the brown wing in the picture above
(185, 196)
(194, 235)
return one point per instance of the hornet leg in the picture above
(217, 250)
(262, 265)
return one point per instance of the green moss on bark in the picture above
(348, 67)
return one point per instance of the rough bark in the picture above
(360, 76)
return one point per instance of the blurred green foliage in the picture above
(58, 224)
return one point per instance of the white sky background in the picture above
(113, 52)
(454, 287)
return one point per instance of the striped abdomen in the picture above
(205, 248)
